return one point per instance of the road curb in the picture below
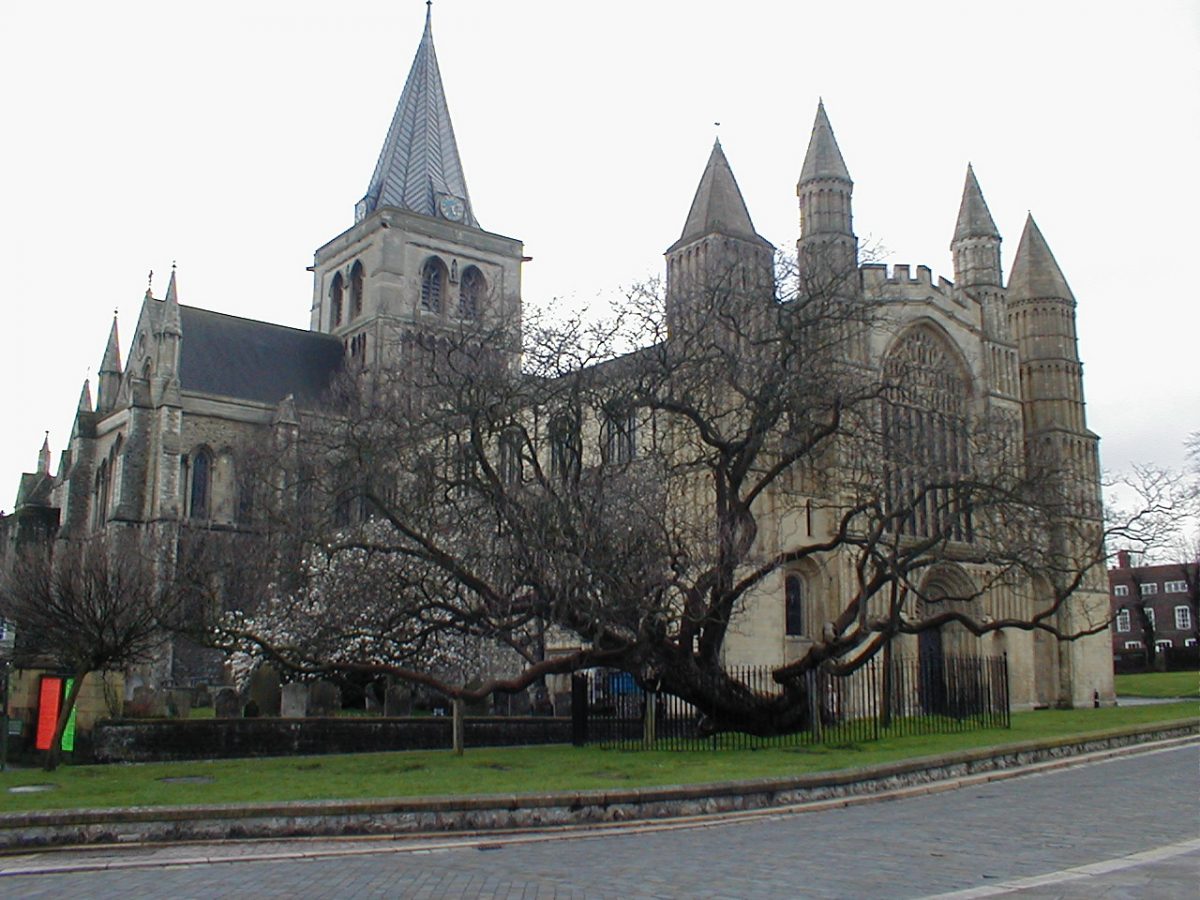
(496, 814)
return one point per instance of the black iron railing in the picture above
(936, 695)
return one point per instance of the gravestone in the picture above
(374, 702)
(294, 704)
(250, 710)
(398, 701)
(146, 703)
(179, 704)
(226, 704)
(324, 699)
(264, 690)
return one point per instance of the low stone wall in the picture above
(166, 740)
(419, 815)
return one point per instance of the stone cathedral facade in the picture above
(159, 446)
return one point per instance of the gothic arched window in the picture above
(512, 469)
(619, 433)
(200, 490)
(356, 290)
(925, 435)
(336, 292)
(565, 451)
(100, 498)
(433, 284)
(470, 293)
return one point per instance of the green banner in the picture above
(68, 735)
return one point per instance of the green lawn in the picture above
(1159, 684)
(513, 770)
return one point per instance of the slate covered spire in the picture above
(43, 466)
(718, 207)
(419, 168)
(1035, 273)
(85, 397)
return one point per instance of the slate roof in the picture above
(974, 218)
(823, 159)
(420, 156)
(250, 360)
(1035, 273)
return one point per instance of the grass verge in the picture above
(513, 769)
(1158, 684)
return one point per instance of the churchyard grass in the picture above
(1159, 684)
(514, 769)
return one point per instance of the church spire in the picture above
(419, 168)
(43, 467)
(109, 381)
(976, 242)
(823, 159)
(718, 206)
(85, 397)
(1035, 273)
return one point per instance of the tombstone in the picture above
(264, 690)
(398, 701)
(179, 704)
(294, 704)
(324, 699)
(226, 704)
(250, 710)
(146, 703)
(374, 703)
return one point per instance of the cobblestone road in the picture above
(979, 841)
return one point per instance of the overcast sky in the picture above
(235, 136)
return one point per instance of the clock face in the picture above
(451, 208)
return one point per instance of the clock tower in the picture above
(416, 266)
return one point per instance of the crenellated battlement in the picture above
(880, 277)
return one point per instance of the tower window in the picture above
(336, 292)
(511, 465)
(356, 290)
(433, 283)
(471, 292)
(201, 486)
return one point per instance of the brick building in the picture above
(1153, 607)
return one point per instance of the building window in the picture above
(201, 487)
(470, 293)
(1121, 590)
(100, 499)
(793, 598)
(1123, 620)
(564, 447)
(1190, 642)
(356, 290)
(511, 468)
(1149, 588)
(336, 292)
(1149, 616)
(1183, 618)
(620, 437)
(433, 282)
(1175, 587)
(1162, 645)
(1133, 645)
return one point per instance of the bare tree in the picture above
(620, 500)
(89, 607)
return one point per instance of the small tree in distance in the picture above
(90, 608)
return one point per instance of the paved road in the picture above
(1126, 827)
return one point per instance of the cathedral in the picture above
(159, 445)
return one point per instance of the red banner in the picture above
(49, 700)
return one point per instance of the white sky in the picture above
(236, 135)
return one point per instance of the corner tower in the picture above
(416, 266)
(719, 261)
(827, 247)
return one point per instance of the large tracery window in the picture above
(925, 436)
(470, 295)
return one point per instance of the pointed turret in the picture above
(828, 248)
(108, 385)
(85, 397)
(718, 207)
(824, 158)
(976, 242)
(419, 168)
(1035, 272)
(43, 464)
(719, 259)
